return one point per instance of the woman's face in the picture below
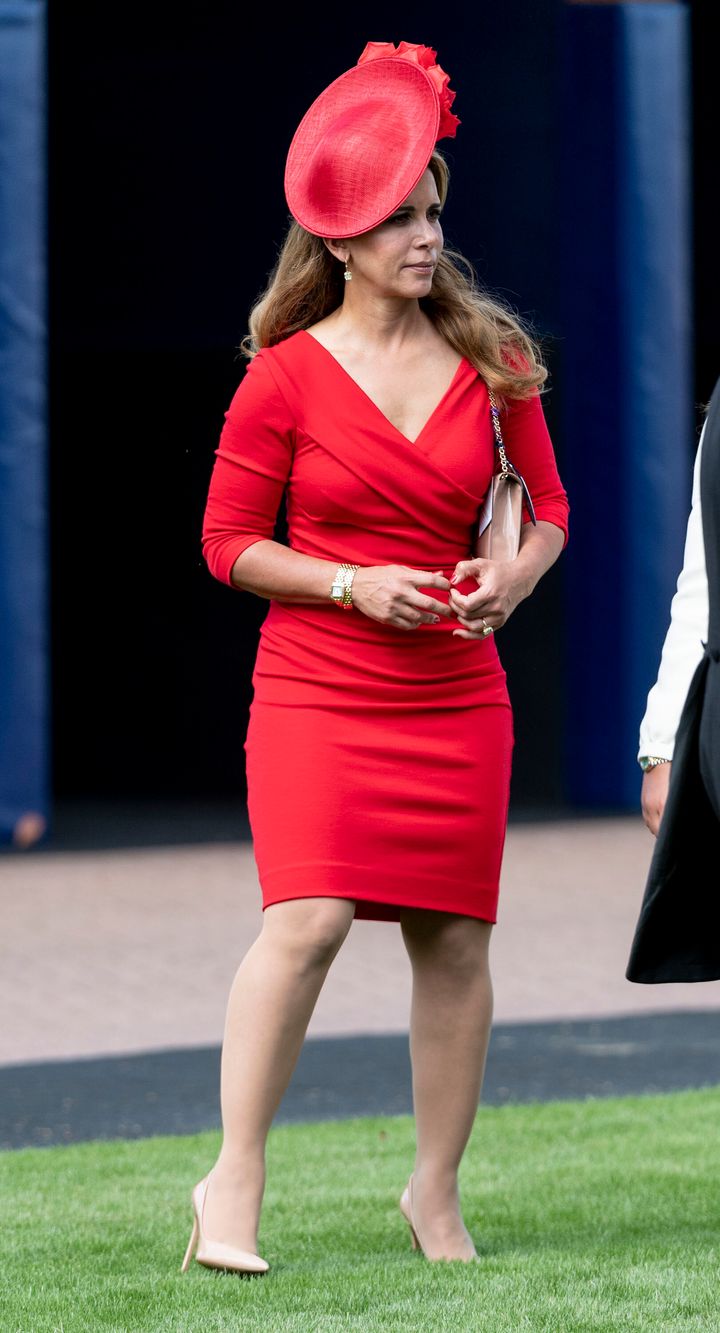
(398, 258)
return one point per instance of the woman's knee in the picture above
(310, 929)
(444, 940)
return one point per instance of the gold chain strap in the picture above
(495, 414)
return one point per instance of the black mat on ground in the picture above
(176, 1092)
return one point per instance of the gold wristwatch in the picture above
(341, 590)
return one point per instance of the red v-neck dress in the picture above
(377, 759)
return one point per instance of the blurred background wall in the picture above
(168, 128)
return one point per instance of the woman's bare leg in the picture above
(270, 1005)
(449, 1032)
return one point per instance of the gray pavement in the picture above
(177, 1092)
(111, 953)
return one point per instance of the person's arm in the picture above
(504, 585)
(252, 466)
(682, 650)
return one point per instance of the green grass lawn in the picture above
(599, 1215)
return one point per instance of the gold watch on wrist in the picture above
(649, 761)
(341, 590)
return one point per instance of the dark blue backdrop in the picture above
(628, 419)
(24, 609)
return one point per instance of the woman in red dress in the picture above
(379, 742)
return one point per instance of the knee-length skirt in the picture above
(378, 763)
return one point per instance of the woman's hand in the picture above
(389, 593)
(653, 795)
(501, 585)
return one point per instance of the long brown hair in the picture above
(307, 284)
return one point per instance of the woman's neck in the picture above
(389, 323)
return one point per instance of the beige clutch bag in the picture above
(497, 536)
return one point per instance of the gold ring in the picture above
(488, 629)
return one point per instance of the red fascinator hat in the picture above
(367, 139)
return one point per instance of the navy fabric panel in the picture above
(23, 432)
(628, 418)
(655, 198)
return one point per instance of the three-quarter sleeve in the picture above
(252, 465)
(529, 448)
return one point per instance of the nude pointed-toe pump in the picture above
(406, 1209)
(212, 1253)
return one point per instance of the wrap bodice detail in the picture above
(357, 489)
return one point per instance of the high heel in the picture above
(212, 1253)
(406, 1208)
(407, 1212)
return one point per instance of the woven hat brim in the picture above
(362, 147)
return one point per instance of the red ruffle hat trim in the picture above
(365, 142)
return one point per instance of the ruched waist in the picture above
(315, 654)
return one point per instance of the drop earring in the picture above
(347, 274)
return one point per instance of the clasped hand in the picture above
(390, 594)
(499, 590)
